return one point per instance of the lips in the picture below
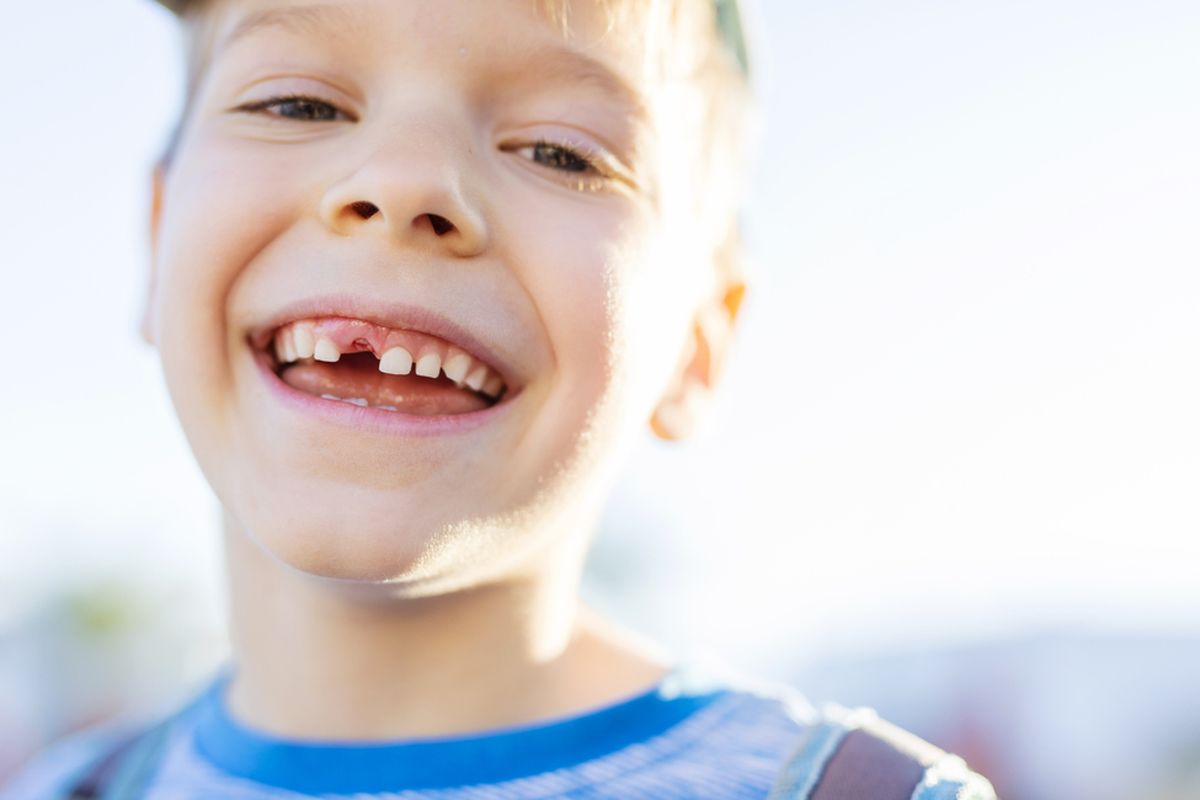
(398, 360)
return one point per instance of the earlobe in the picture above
(676, 414)
(684, 406)
(146, 328)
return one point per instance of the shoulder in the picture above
(746, 710)
(854, 753)
(50, 772)
(817, 754)
(58, 768)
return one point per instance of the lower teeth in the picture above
(357, 401)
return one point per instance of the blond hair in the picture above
(728, 119)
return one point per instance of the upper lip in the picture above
(401, 316)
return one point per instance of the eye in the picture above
(585, 169)
(297, 107)
(565, 158)
(560, 157)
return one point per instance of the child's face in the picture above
(407, 190)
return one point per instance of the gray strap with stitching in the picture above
(854, 755)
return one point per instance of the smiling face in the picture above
(365, 185)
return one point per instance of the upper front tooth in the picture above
(396, 361)
(456, 367)
(302, 338)
(429, 365)
(289, 347)
(326, 350)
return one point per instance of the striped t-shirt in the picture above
(685, 738)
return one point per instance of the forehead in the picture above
(605, 45)
(350, 19)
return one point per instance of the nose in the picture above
(411, 193)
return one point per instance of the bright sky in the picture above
(964, 402)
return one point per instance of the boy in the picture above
(420, 274)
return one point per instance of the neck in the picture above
(314, 661)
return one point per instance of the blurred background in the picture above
(954, 471)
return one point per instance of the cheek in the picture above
(597, 282)
(566, 255)
(657, 302)
(221, 207)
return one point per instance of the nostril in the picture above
(440, 224)
(364, 209)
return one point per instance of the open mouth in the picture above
(367, 364)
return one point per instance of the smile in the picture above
(341, 360)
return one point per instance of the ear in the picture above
(690, 392)
(157, 179)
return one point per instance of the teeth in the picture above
(289, 347)
(285, 352)
(493, 386)
(302, 338)
(326, 350)
(389, 408)
(456, 367)
(429, 365)
(396, 361)
(477, 378)
(300, 341)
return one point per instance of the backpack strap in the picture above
(854, 755)
(123, 771)
(876, 760)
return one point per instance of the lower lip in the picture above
(377, 421)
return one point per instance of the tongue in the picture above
(357, 375)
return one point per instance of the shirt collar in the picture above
(317, 766)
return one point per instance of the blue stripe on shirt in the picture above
(316, 767)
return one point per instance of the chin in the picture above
(329, 538)
(383, 545)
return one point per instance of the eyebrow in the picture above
(311, 19)
(572, 67)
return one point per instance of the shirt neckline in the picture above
(338, 767)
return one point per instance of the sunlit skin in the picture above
(387, 586)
